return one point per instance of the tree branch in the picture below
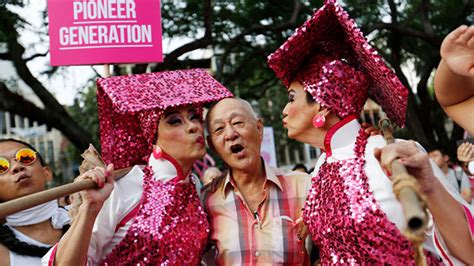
(261, 88)
(435, 40)
(394, 42)
(413, 15)
(258, 28)
(203, 42)
(56, 112)
(207, 14)
(425, 10)
(36, 55)
(428, 105)
(16, 104)
(4, 56)
(243, 65)
(50, 71)
(393, 11)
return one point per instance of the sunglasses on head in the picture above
(25, 156)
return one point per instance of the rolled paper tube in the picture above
(29, 201)
(91, 158)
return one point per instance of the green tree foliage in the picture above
(410, 33)
(84, 112)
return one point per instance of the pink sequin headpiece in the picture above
(130, 108)
(334, 62)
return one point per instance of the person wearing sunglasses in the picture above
(27, 235)
(152, 123)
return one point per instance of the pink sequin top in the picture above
(345, 220)
(170, 227)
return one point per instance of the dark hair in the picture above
(309, 98)
(441, 150)
(9, 240)
(300, 165)
(26, 145)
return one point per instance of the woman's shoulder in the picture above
(376, 141)
(134, 177)
(125, 195)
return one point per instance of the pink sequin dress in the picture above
(346, 222)
(170, 227)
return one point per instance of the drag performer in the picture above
(27, 235)
(351, 211)
(153, 215)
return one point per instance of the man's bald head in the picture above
(244, 106)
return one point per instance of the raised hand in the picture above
(408, 154)
(457, 50)
(370, 129)
(465, 152)
(95, 197)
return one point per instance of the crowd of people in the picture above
(344, 212)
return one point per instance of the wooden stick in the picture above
(413, 208)
(29, 201)
(408, 192)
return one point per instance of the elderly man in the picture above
(254, 209)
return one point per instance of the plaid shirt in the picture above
(268, 237)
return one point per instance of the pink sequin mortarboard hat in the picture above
(130, 108)
(334, 62)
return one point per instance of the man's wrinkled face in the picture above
(235, 133)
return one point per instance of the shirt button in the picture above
(257, 253)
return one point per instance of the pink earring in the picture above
(157, 153)
(319, 120)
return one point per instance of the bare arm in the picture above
(4, 256)
(448, 214)
(73, 247)
(454, 79)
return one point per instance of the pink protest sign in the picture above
(86, 32)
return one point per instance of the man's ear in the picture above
(48, 173)
(209, 143)
(446, 158)
(260, 127)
